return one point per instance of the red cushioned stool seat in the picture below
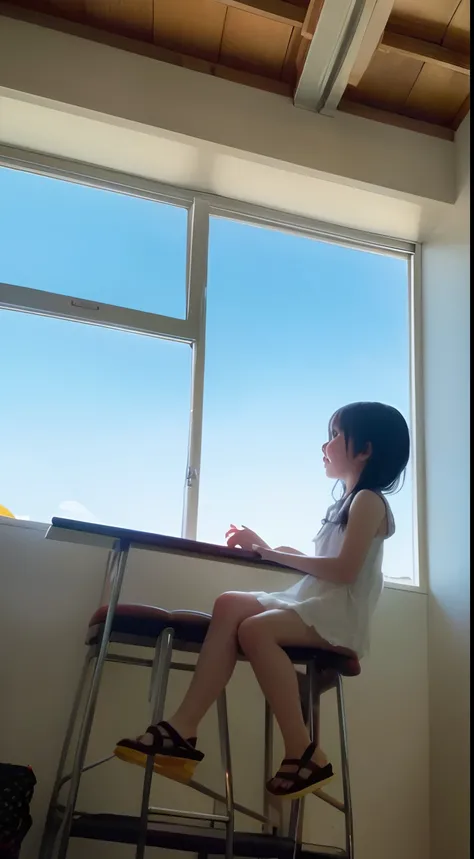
(143, 624)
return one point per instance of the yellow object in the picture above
(5, 512)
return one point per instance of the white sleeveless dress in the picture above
(340, 614)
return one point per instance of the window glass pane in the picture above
(94, 423)
(295, 329)
(92, 244)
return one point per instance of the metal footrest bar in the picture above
(194, 839)
(217, 797)
(336, 803)
(201, 788)
(192, 815)
(141, 662)
(85, 769)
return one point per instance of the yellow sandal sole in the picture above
(313, 788)
(175, 768)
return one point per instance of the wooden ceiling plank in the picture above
(129, 17)
(437, 95)
(301, 55)
(275, 10)
(311, 18)
(423, 19)
(385, 116)
(190, 27)
(254, 44)
(426, 51)
(387, 82)
(458, 33)
(372, 36)
(288, 72)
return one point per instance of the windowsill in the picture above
(24, 523)
(401, 586)
(43, 526)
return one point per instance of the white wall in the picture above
(447, 381)
(48, 592)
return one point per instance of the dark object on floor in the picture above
(17, 784)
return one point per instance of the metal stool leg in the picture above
(158, 687)
(88, 717)
(227, 768)
(345, 770)
(310, 706)
(268, 764)
(47, 841)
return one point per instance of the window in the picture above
(95, 422)
(295, 328)
(218, 346)
(92, 243)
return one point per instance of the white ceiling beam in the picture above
(336, 28)
(370, 39)
(373, 20)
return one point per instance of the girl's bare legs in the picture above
(216, 661)
(261, 639)
(239, 618)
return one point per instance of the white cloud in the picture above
(76, 510)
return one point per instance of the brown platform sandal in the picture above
(173, 756)
(308, 778)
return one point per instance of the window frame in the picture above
(200, 208)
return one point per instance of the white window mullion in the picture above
(197, 282)
(420, 551)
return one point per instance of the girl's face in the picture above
(339, 461)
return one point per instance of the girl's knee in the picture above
(228, 604)
(250, 633)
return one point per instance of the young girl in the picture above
(329, 608)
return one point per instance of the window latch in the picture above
(84, 305)
(191, 476)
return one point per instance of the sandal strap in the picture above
(307, 755)
(286, 775)
(298, 782)
(302, 763)
(165, 736)
(292, 776)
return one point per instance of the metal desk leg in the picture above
(47, 841)
(87, 719)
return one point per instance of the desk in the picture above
(107, 537)
(119, 542)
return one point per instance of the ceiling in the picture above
(411, 66)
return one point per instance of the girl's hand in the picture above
(243, 538)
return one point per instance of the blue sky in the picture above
(95, 421)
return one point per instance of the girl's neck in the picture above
(349, 486)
